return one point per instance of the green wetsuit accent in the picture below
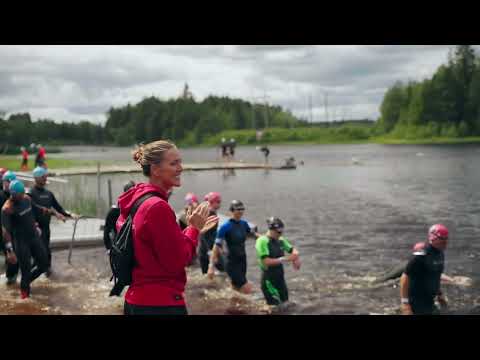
(273, 283)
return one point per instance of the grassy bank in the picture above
(13, 162)
(352, 134)
(430, 141)
(313, 135)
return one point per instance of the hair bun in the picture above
(138, 155)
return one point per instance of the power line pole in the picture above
(264, 98)
(310, 108)
(326, 105)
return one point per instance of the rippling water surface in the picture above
(350, 222)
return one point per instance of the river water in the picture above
(353, 211)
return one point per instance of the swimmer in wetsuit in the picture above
(46, 205)
(234, 233)
(420, 283)
(271, 249)
(207, 239)
(191, 202)
(11, 272)
(18, 224)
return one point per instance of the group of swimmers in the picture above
(222, 249)
(420, 284)
(25, 225)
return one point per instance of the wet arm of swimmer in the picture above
(7, 238)
(404, 283)
(6, 222)
(7, 235)
(251, 231)
(59, 208)
(217, 247)
(441, 299)
(446, 278)
(278, 261)
(216, 252)
(287, 247)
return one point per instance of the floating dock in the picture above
(112, 169)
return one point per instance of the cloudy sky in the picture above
(72, 83)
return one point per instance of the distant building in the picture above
(187, 94)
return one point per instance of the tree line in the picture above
(182, 120)
(445, 105)
(19, 129)
(188, 122)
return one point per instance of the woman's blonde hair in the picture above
(151, 153)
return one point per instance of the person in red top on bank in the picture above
(161, 250)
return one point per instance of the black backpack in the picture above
(121, 253)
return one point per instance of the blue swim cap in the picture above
(9, 176)
(16, 187)
(39, 171)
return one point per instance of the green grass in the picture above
(13, 162)
(315, 135)
(86, 207)
(349, 134)
(430, 141)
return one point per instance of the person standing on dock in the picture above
(271, 249)
(266, 153)
(207, 240)
(161, 249)
(232, 144)
(45, 205)
(24, 165)
(420, 283)
(109, 230)
(18, 224)
(234, 233)
(224, 147)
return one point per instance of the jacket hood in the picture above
(127, 199)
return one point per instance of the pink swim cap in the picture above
(190, 198)
(213, 197)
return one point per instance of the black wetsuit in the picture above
(45, 198)
(182, 220)
(11, 269)
(273, 283)
(232, 146)
(235, 233)
(224, 150)
(207, 241)
(3, 197)
(424, 271)
(266, 151)
(110, 230)
(20, 223)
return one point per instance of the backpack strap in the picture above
(140, 201)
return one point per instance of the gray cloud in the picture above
(82, 82)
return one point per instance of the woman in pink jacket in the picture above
(161, 249)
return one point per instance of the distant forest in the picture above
(182, 119)
(445, 105)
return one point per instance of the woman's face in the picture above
(167, 172)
